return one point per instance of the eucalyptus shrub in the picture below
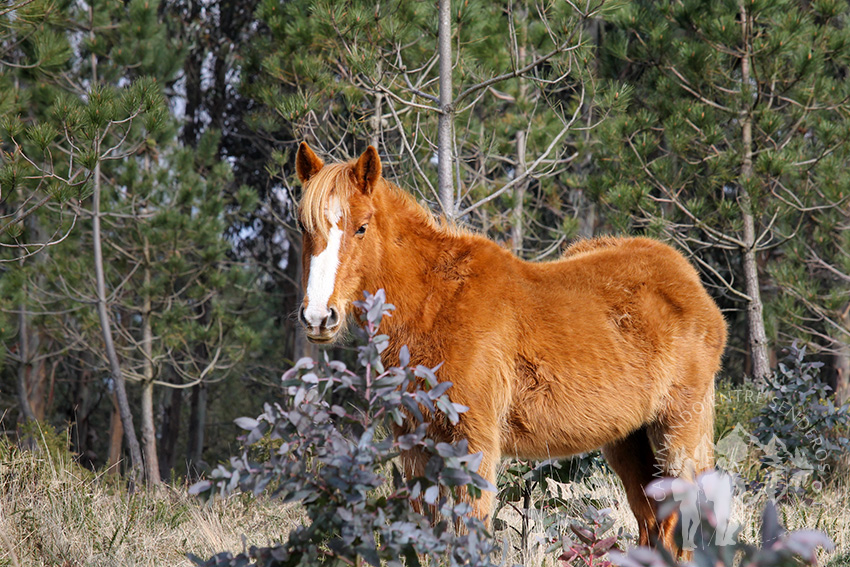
(334, 460)
(801, 424)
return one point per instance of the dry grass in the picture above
(52, 512)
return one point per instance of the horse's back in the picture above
(650, 291)
(625, 269)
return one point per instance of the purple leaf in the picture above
(246, 423)
(431, 494)
(583, 534)
(805, 543)
(200, 486)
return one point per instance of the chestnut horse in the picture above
(615, 345)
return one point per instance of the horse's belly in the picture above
(543, 446)
(548, 440)
(541, 425)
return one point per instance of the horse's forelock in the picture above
(330, 187)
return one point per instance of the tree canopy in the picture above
(148, 192)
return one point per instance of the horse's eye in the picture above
(362, 229)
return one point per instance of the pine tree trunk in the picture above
(27, 347)
(23, 341)
(136, 470)
(148, 425)
(301, 347)
(586, 208)
(519, 196)
(842, 374)
(27, 413)
(198, 413)
(842, 363)
(170, 432)
(192, 64)
(518, 214)
(81, 409)
(586, 217)
(116, 437)
(197, 422)
(149, 436)
(377, 114)
(755, 310)
(445, 164)
(37, 384)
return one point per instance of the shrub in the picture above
(591, 541)
(800, 427)
(332, 456)
(524, 488)
(736, 404)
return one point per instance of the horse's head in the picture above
(339, 247)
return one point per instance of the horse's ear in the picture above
(307, 163)
(367, 170)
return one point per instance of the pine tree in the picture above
(68, 117)
(731, 146)
(344, 74)
(148, 246)
(173, 279)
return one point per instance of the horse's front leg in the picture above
(413, 464)
(481, 430)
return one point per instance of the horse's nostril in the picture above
(332, 319)
(302, 317)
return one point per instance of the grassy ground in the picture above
(829, 512)
(52, 512)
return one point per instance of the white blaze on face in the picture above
(323, 267)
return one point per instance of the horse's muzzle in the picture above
(321, 328)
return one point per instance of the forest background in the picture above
(149, 264)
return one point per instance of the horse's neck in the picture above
(412, 249)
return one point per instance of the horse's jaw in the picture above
(322, 335)
(325, 336)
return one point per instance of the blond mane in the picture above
(336, 182)
(332, 181)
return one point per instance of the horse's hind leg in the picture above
(633, 459)
(685, 442)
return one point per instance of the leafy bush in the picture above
(800, 426)
(331, 458)
(591, 542)
(713, 537)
